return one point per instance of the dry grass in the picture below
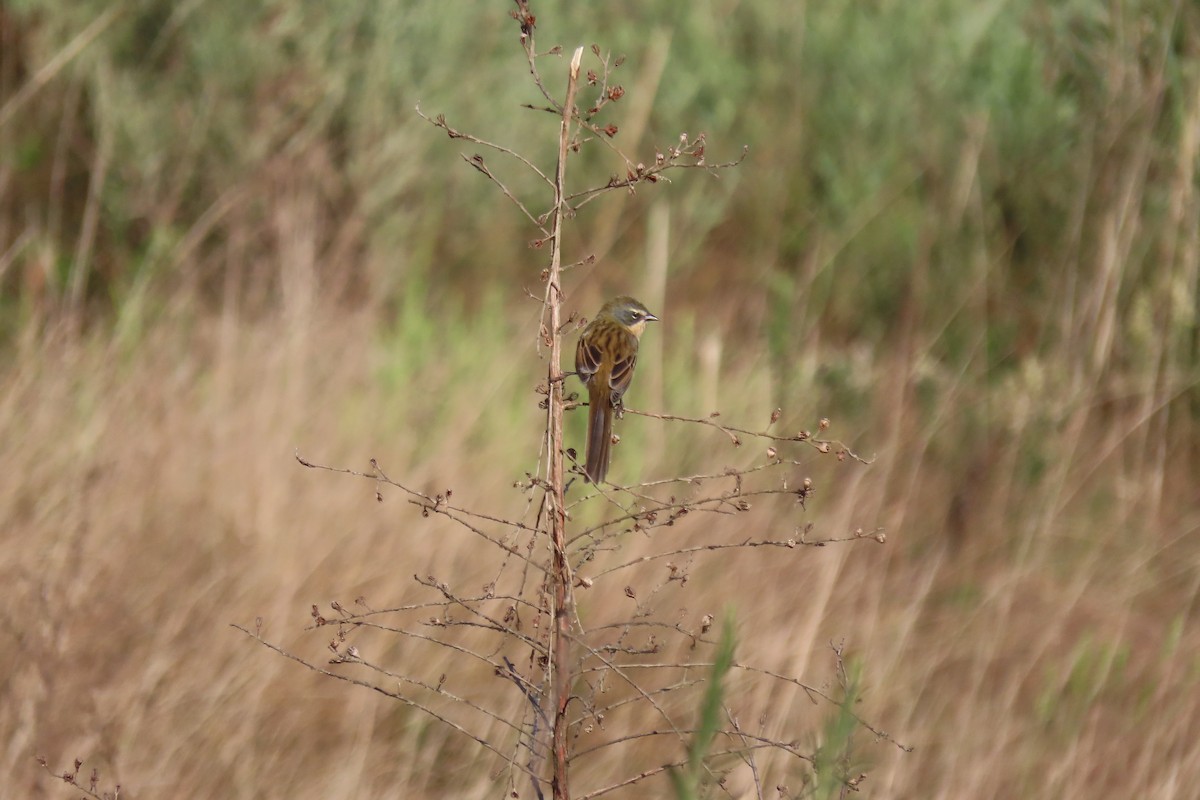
(1011, 327)
(1045, 649)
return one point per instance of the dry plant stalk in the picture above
(555, 505)
(571, 676)
(71, 778)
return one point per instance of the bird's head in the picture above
(630, 313)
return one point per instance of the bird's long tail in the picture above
(599, 442)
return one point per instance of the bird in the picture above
(604, 361)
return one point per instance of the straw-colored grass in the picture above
(152, 499)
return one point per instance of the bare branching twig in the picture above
(569, 671)
(71, 778)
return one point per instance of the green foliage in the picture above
(834, 765)
(1068, 694)
(440, 349)
(994, 186)
(863, 118)
(687, 781)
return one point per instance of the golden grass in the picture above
(1030, 638)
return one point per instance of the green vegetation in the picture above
(687, 779)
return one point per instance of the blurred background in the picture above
(966, 232)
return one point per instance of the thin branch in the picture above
(554, 505)
(71, 778)
(788, 544)
(592, 713)
(528, 22)
(619, 669)
(471, 609)
(386, 693)
(354, 658)
(641, 776)
(440, 122)
(748, 756)
(880, 735)
(640, 173)
(437, 504)
(820, 445)
(364, 617)
(476, 161)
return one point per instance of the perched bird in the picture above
(604, 361)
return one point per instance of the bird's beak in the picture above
(652, 318)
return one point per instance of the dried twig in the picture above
(645, 656)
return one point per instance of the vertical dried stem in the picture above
(561, 574)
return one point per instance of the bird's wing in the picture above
(622, 373)
(587, 359)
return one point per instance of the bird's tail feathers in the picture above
(600, 414)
